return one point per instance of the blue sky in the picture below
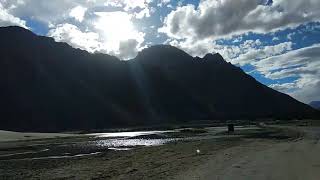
(275, 41)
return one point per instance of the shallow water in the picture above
(89, 145)
(132, 139)
(133, 142)
(94, 144)
(128, 134)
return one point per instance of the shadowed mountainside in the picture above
(50, 86)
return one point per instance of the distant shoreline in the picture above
(7, 136)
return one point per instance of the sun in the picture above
(116, 27)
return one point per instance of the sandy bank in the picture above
(294, 159)
(6, 136)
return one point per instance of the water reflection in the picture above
(120, 149)
(128, 134)
(115, 143)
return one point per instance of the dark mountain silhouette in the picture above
(315, 104)
(50, 86)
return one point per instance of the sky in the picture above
(275, 41)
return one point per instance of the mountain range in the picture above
(50, 86)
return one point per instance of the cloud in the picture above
(132, 4)
(128, 48)
(75, 37)
(196, 48)
(78, 13)
(198, 29)
(220, 18)
(305, 60)
(92, 25)
(283, 87)
(253, 54)
(162, 3)
(308, 94)
(245, 53)
(113, 34)
(303, 64)
(58, 11)
(143, 13)
(7, 19)
(41, 10)
(289, 36)
(105, 35)
(275, 62)
(275, 39)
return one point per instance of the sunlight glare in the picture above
(116, 27)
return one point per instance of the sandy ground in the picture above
(276, 157)
(296, 159)
(6, 136)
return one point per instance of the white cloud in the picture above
(289, 36)
(170, 6)
(245, 53)
(105, 35)
(103, 31)
(128, 48)
(7, 19)
(275, 62)
(143, 13)
(74, 36)
(308, 93)
(41, 10)
(197, 48)
(106, 32)
(253, 54)
(115, 28)
(303, 64)
(284, 87)
(78, 13)
(58, 11)
(132, 4)
(220, 18)
(112, 3)
(275, 39)
(162, 3)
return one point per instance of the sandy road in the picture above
(264, 160)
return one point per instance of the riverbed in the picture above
(123, 155)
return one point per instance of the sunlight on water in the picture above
(120, 149)
(98, 143)
(128, 134)
(130, 139)
(133, 142)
